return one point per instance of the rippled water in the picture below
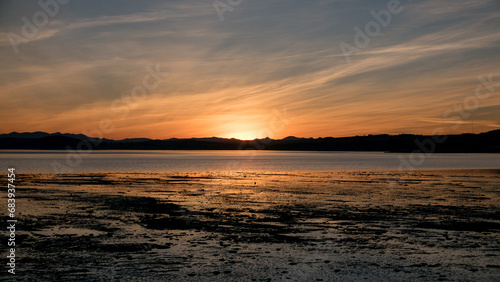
(157, 161)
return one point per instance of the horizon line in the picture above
(290, 136)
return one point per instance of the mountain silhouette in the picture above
(487, 142)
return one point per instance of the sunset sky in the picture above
(259, 68)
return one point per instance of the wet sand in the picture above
(427, 225)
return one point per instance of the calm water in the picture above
(157, 161)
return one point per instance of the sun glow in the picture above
(244, 135)
(247, 126)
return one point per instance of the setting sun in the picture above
(246, 126)
(244, 135)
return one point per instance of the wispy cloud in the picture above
(263, 56)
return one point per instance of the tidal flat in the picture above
(423, 225)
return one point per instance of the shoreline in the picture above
(337, 225)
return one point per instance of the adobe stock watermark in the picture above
(361, 39)
(11, 221)
(39, 19)
(121, 105)
(222, 7)
(456, 114)
(461, 111)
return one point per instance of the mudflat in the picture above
(427, 225)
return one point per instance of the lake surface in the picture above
(44, 161)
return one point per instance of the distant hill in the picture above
(39, 134)
(487, 142)
(50, 142)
